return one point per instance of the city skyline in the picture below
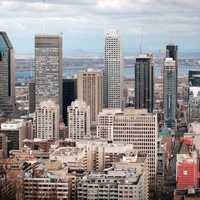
(142, 21)
(103, 100)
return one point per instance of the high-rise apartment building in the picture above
(7, 75)
(169, 92)
(137, 127)
(144, 83)
(194, 96)
(69, 95)
(90, 90)
(113, 77)
(48, 69)
(46, 120)
(31, 96)
(78, 120)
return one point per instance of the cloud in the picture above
(85, 20)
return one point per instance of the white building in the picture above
(46, 120)
(137, 127)
(78, 120)
(105, 122)
(113, 77)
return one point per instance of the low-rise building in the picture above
(126, 180)
(45, 181)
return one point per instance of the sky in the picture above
(83, 23)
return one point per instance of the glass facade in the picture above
(144, 84)
(7, 75)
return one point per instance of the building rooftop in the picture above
(13, 124)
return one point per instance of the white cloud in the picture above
(131, 17)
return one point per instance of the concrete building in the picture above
(169, 93)
(116, 183)
(144, 83)
(90, 90)
(46, 120)
(48, 69)
(7, 75)
(14, 132)
(78, 120)
(69, 95)
(105, 123)
(137, 127)
(44, 181)
(162, 160)
(90, 155)
(194, 96)
(113, 74)
(31, 96)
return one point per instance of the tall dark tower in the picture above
(31, 95)
(169, 92)
(144, 83)
(69, 95)
(7, 75)
(172, 52)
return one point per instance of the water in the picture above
(128, 72)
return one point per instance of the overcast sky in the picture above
(83, 23)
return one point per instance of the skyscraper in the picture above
(7, 75)
(169, 93)
(194, 96)
(69, 95)
(144, 83)
(172, 52)
(113, 78)
(90, 90)
(46, 120)
(48, 67)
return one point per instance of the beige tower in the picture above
(46, 120)
(90, 90)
